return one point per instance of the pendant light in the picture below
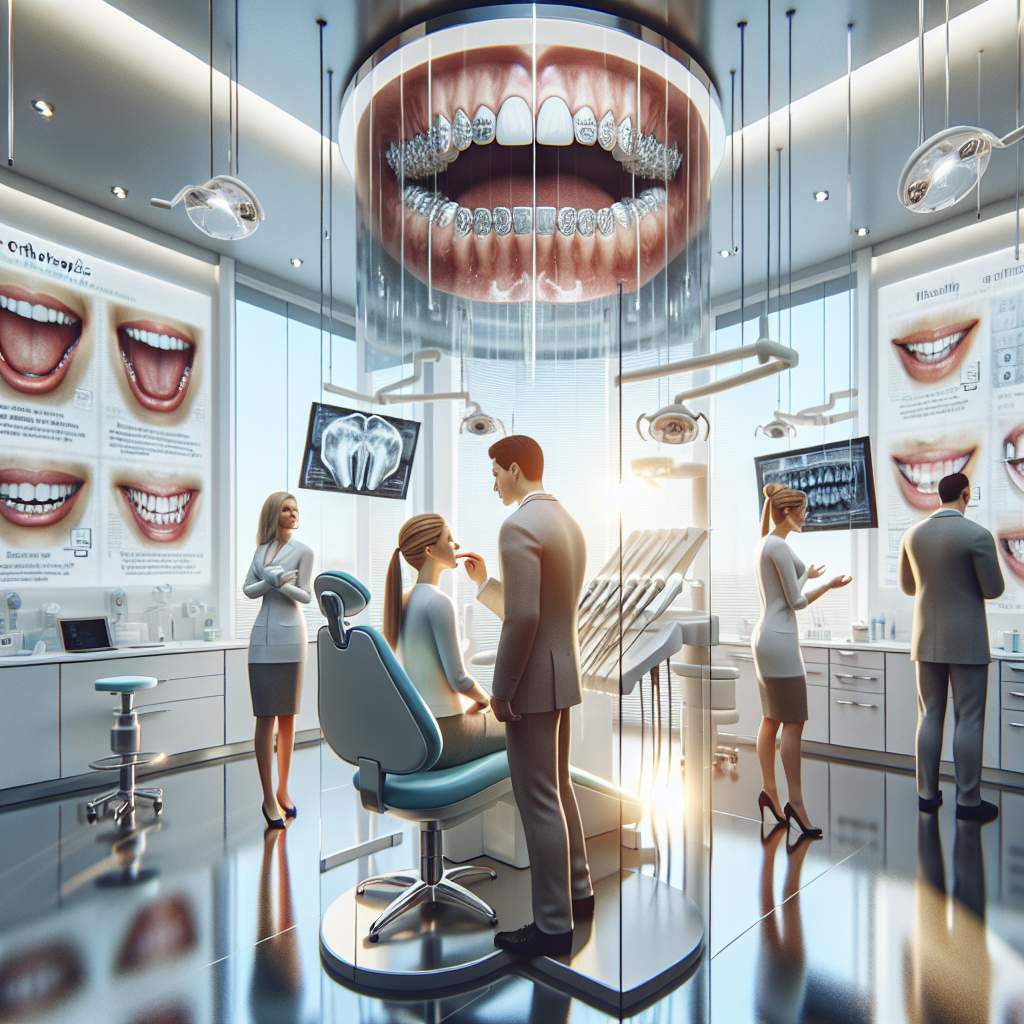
(224, 207)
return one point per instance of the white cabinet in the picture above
(816, 728)
(29, 729)
(1013, 741)
(748, 698)
(857, 719)
(309, 710)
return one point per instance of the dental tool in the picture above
(606, 569)
(630, 560)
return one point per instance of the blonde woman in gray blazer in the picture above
(536, 683)
(280, 574)
(949, 565)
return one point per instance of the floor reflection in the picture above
(200, 917)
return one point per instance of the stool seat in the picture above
(125, 684)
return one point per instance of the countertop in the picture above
(143, 651)
(882, 646)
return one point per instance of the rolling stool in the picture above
(125, 742)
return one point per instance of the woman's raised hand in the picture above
(839, 581)
(815, 571)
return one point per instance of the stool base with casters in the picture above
(124, 797)
(127, 756)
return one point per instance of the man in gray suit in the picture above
(949, 564)
(536, 682)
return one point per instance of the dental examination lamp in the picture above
(676, 423)
(224, 208)
(945, 168)
(475, 420)
(776, 429)
(820, 415)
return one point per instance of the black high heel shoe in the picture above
(763, 801)
(291, 812)
(805, 829)
(271, 822)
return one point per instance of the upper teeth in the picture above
(925, 476)
(935, 351)
(161, 509)
(360, 451)
(35, 311)
(430, 152)
(155, 340)
(35, 499)
(1015, 545)
(441, 211)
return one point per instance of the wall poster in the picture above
(949, 382)
(105, 427)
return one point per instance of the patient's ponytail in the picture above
(416, 535)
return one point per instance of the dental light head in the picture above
(673, 424)
(476, 421)
(945, 168)
(775, 429)
(224, 208)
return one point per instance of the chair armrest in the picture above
(371, 785)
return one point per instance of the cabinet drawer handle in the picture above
(858, 704)
(152, 711)
(1015, 668)
(1016, 693)
(1016, 725)
(742, 657)
(846, 675)
(847, 654)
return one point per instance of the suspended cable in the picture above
(977, 190)
(209, 18)
(920, 72)
(10, 83)
(742, 26)
(947, 63)
(320, 139)
(768, 170)
(732, 160)
(330, 217)
(237, 79)
(849, 194)
(789, 198)
(1016, 240)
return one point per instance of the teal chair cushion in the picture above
(125, 684)
(443, 786)
(413, 699)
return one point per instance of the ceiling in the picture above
(129, 79)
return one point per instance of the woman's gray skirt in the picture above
(275, 687)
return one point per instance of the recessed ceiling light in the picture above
(44, 108)
(821, 196)
(119, 191)
(296, 262)
(862, 232)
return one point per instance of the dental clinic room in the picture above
(512, 513)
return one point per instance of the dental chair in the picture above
(373, 717)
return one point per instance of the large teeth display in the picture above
(935, 351)
(440, 211)
(36, 499)
(361, 451)
(162, 341)
(161, 509)
(925, 476)
(828, 487)
(1015, 546)
(431, 152)
(35, 311)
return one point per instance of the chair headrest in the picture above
(353, 594)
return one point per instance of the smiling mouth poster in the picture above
(949, 379)
(105, 426)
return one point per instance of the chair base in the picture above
(433, 883)
(120, 803)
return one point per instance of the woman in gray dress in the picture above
(280, 574)
(781, 577)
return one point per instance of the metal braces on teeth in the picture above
(430, 152)
(442, 212)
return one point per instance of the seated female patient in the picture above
(420, 625)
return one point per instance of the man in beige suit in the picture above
(950, 566)
(536, 682)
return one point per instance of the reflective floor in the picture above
(201, 917)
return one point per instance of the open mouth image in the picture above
(1011, 547)
(579, 172)
(919, 470)
(158, 362)
(929, 355)
(38, 980)
(37, 498)
(39, 335)
(161, 511)
(162, 931)
(1013, 457)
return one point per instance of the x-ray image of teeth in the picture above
(837, 479)
(358, 453)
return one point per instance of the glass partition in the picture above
(532, 249)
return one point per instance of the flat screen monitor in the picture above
(836, 477)
(80, 636)
(358, 452)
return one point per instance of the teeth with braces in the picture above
(925, 476)
(36, 311)
(36, 499)
(160, 509)
(430, 152)
(440, 211)
(166, 342)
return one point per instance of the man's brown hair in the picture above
(523, 451)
